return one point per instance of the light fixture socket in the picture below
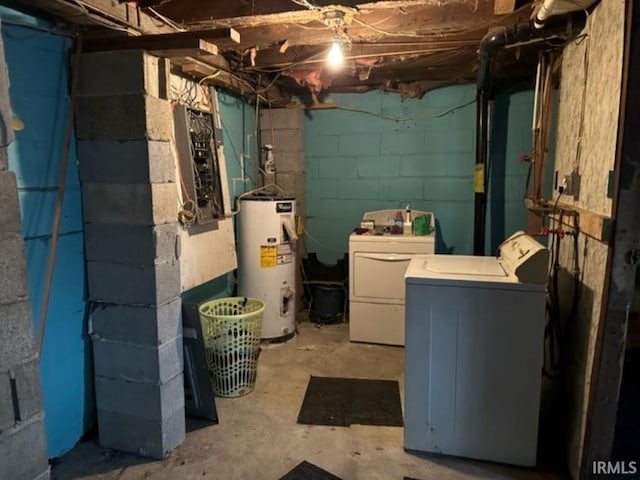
(333, 19)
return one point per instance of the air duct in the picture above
(564, 26)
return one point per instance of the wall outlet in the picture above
(571, 184)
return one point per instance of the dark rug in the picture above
(345, 401)
(308, 471)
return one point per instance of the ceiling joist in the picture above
(170, 44)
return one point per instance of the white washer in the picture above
(377, 264)
(474, 352)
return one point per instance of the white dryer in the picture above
(377, 264)
(474, 352)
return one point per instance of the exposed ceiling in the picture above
(406, 46)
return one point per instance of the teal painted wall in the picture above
(37, 63)
(369, 161)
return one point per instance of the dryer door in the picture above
(379, 276)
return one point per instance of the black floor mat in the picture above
(345, 401)
(308, 471)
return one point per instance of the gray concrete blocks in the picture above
(16, 338)
(123, 117)
(132, 238)
(133, 244)
(7, 417)
(284, 141)
(133, 284)
(291, 183)
(149, 438)
(137, 204)
(138, 363)
(289, 162)
(13, 281)
(147, 326)
(281, 119)
(9, 208)
(118, 72)
(23, 450)
(136, 161)
(27, 377)
(141, 400)
(4, 159)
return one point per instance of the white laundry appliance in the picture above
(378, 260)
(267, 260)
(474, 352)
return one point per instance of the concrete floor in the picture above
(258, 437)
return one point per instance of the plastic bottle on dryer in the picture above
(397, 222)
(407, 226)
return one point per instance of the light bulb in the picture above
(335, 57)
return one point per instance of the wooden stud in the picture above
(165, 45)
(504, 7)
(589, 223)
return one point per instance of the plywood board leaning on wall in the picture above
(586, 143)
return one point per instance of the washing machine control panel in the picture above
(525, 257)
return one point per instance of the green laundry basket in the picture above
(231, 330)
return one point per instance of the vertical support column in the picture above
(284, 129)
(23, 449)
(128, 178)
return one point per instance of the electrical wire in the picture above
(167, 21)
(235, 140)
(306, 4)
(384, 32)
(409, 117)
(557, 326)
(255, 190)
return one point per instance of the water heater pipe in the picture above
(544, 12)
(564, 26)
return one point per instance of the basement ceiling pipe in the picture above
(564, 26)
(544, 11)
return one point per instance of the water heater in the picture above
(267, 260)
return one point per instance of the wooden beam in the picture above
(593, 224)
(314, 106)
(165, 45)
(100, 12)
(136, 22)
(189, 43)
(504, 7)
(589, 223)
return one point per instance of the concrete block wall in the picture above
(284, 129)
(409, 152)
(23, 448)
(127, 172)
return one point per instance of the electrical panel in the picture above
(201, 182)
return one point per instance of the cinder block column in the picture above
(23, 449)
(124, 125)
(284, 129)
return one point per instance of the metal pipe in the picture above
(543, 13)
(563, 26)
